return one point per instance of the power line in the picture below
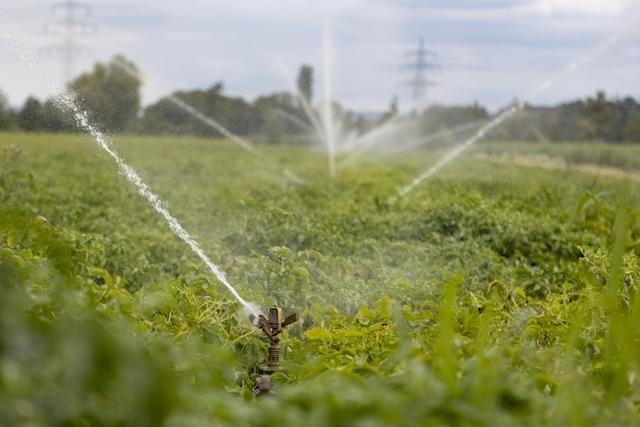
(70, 22)
(422, 62)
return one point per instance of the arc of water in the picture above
(132, 176)
(293, 177)
(538, 90)
(311, 114)
(295, 119)
(348, 140)
(210, 122)
(436, 136)
(600, 48)
(67, 103)
(417, 142)
(327, 107)
(304, 102)
(461, 148)
(371, 138)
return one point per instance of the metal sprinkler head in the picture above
(272, 326)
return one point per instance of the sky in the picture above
(487, 51)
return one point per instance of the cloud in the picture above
(489, 50)
(584, 7)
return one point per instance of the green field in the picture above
(622, 156)
(494, 294)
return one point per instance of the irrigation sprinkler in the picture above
(272, 327)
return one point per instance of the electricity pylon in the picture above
(421, 64)
(70, 22)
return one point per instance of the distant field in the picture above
(494, 294)
(622, 156)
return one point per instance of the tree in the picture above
(6, 116)
(56, 119)
(440, 117)
(110, 93)
(167, 117)
(631, 131)
(305, 82)
(280, 115)
(31, 116)
(391, 112)
(597, 118)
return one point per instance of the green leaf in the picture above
(318, 334)
(365, 316)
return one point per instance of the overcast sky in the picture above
(490, 51)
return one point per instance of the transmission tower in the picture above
(421, 63)
(70, 22)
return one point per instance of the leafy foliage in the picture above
(110, 93)
(7, 118)
(495, 295)
(596, 118)
(31, 116)
(305, 82)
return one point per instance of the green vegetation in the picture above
(625, 157)
(110, 94)
(492, 295)
(597, 118)
(7, 119)
(305, 82)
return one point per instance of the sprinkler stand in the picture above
(272, 327)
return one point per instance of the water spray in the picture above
(386, 130)
(210, 122)
(327, 107)
(538, 90)
(325, 124)
(304, 103)
(413, 143)
(272, 326)
(373, 137)
(462, 147)
(438, 135)
(189, 109)
(68, 104)
(294, 119)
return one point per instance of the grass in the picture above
(492, 295)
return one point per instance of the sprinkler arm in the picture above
(275, 325)
(290, 319)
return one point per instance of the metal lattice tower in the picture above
(421, 63)
(70, 23)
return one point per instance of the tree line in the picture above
(110, 93)
(595, 118)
